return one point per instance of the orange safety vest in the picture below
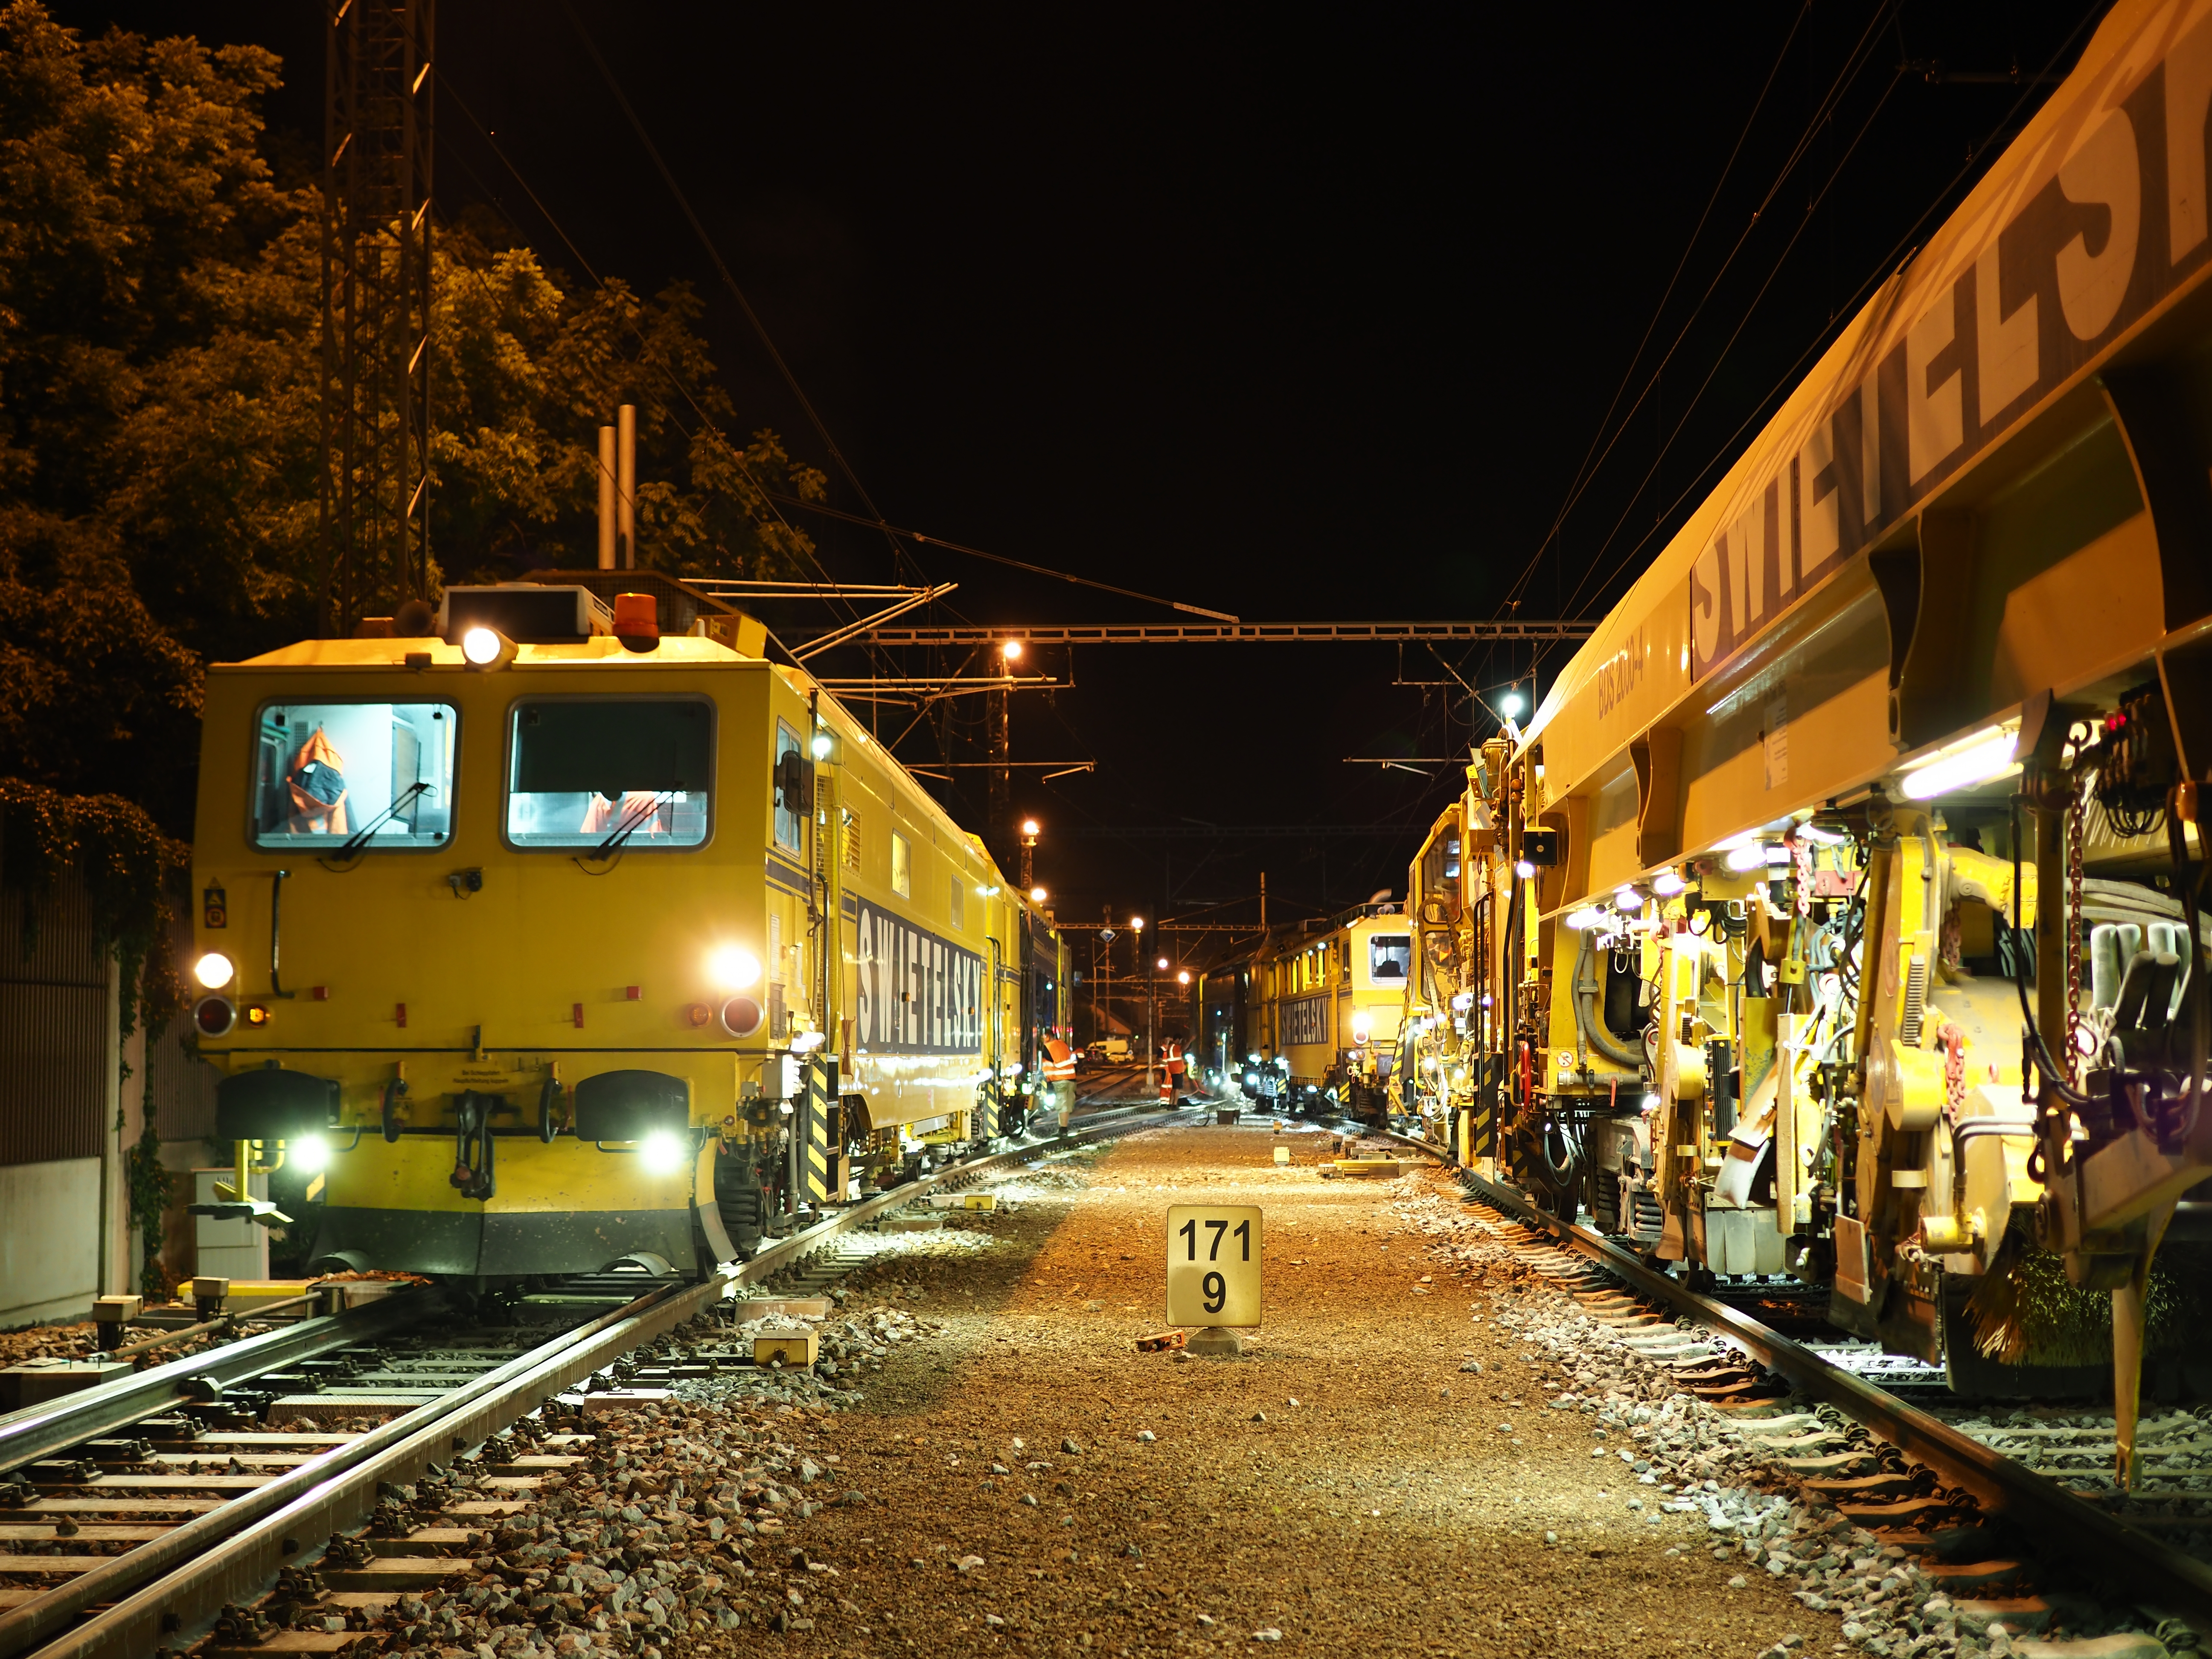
(1059, 1061)
(316, 783)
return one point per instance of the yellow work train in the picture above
(1308, 1019)
(1841, 911)
(558, 942)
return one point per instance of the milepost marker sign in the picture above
(1213, 1264)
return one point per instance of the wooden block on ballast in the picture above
(35, 1382)
(1371, 1169)
(789, 1348)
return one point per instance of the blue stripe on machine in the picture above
(784, 876)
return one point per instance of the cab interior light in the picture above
(1667, 883)
(1627, 898)
(1749, 856)
(1588, 916)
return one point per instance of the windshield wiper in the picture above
(628, 827)
(359, 837)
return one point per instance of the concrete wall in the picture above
(50, 1248)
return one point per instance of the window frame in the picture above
(902, 879)
(1395, 982)
(253, 841)
(788, 742)
(635, 843)
(956, 911)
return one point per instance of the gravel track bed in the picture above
(1032, 1484)
(1428, 1450)
(1734, 1471)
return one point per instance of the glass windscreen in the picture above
(1390, 956)
(610, 773)
(354, 774)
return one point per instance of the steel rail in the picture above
(2145, 1567)
(229, 1554)
(44, 1430)
(226, 1554)
(790, 1252)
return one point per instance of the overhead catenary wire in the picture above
(826, 587)
(1743, 321)
(1586, 470)
(828, 511)
(1854, 62)
(1888, 266)
(722, 271)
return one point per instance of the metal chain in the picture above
(2074, 838)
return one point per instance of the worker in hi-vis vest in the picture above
(1059, 1078)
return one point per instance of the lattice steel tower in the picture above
(375, 504)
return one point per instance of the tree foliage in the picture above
(161, 386)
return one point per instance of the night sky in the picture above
(1287, 314)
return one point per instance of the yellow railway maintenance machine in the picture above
(1328, 999)
(1871, 919)
(557, 942)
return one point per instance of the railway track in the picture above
(139, 1516)
(1995, 1500)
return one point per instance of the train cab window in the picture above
(958, 910)
(356, 775)
(901, 866)
(610, 772)
(789, 827)
(1389, 957)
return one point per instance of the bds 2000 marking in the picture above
(1213, 1264)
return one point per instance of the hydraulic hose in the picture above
(1587, 1021)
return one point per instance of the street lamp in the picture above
(1029, 842)
(1036, 895)
(1011, 650)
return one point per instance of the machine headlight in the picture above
(733, 969)
(309, 1154)
(486, 647)
(662, 1152)
(1251, 1079)
(1751, 856)
(213, 970)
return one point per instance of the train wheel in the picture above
(741, 1202)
